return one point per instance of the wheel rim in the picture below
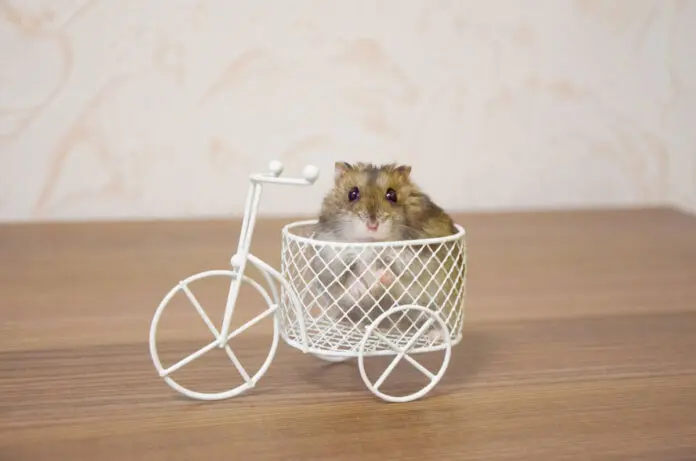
(248, 383)
(399, 355)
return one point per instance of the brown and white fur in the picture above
(376, 203)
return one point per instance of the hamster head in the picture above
(368, 202)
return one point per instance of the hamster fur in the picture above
(380, 203)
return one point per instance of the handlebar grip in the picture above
(310, 173)
(275, 168)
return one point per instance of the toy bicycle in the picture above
(299, 314)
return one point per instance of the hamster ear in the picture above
(403, 170)
(340, 168)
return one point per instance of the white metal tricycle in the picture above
(299, 308)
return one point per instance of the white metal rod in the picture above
(402, 353)
(247, 213)
(252, 217)
(411, 341)
(390, 344)
(419, 367)
(238, 365)
(389, 370)
(418, 334)
(244, 252)
(189, 359)
(200, 310)
(252, 322)
(260, 178)
(271, 285)
(299, 312)
(215, 333)
(229, 307)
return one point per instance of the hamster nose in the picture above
(372, 224)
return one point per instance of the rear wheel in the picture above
(401, 352)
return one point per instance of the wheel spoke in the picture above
(189, 359)
(199, 309)
(419, 367)
(237, 364)
(401, 347)
(249, 379)
(390, 368)
(232, 356)
(410, 343)
(390, 344)
(403, 353)
(418, 334)
(253, 322)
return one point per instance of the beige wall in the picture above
(162, 108)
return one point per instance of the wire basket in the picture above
(343, 288)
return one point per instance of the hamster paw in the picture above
(435, 336)
(386, 277)
(356, 291)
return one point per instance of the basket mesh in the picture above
(343, 289)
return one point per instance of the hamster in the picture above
(380, 203)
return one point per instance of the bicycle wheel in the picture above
(249, 379)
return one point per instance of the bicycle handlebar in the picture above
(310, 173)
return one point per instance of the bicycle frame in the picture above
(294, 330)
(242, 255)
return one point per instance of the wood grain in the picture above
(580, 343)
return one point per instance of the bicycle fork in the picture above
(239, 259)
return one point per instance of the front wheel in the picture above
(249, 380)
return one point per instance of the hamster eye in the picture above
(390, 195)
(353, 194)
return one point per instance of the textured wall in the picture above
(161, 108)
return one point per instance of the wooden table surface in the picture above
(579, 344)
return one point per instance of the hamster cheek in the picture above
(355, 228)
(386, 228)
